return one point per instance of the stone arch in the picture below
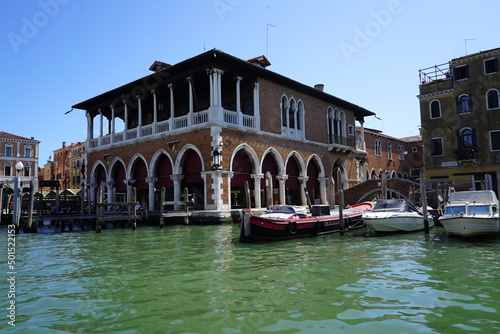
(295, 171)
(98, 172)
(161, 170)
(314, 172)
(138, 171)
(243, 163)
(118, 174)
(189, 164)
(339, 164)
(273, 163)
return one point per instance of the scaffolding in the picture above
(433, 73)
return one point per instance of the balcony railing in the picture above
(341, 140)
(180, 122)
(466, 154)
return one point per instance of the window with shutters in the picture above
(437, 146)
(464, 104)
(461, 72)
(491, 66)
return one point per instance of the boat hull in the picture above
(265, 228)
(469, 226)
(396, 223)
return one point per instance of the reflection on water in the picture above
(199, 279)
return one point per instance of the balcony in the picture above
(173, 125)
(340, 144)
(466, 155)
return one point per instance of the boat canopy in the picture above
(292, 209)
(394, 205)
(480, 196)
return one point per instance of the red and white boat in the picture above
(288, 221)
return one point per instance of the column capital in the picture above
(282, 178)
(151, 180)
(303, 179)
(171, 86)
(129, 182)
(177, 177)
(214, 71)
(257, 176)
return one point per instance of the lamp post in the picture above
(17, 204)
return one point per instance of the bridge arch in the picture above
(366, 191)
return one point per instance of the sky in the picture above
(57, 53)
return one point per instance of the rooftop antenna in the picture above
(267, 37)
(465, 40)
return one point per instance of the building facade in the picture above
(398, 158)
(460, 117)
(14, 149)
(212, 124)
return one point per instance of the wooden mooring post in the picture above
(341, 202)
(176, 213)
(423, 195)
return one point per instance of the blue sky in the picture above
(56, 53)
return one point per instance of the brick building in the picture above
(67, 165)
(14, 149)
(213, 122)
(399, 158)
(460, 117)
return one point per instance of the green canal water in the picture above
(199, 279)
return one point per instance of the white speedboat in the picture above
(470, 213)
(395, 215)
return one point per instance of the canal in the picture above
(200, 279)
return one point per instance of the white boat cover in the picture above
(482, 196)
(292, 209)
(396, 205)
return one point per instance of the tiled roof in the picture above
(6, 135)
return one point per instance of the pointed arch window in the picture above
(284, 108)
(336, 126)
(389, 150)
(378, 148)
(292, 111)
(292, 117)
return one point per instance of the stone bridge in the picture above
(400, 188)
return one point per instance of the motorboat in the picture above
(395, 215)
(288, 221)
(471, 213)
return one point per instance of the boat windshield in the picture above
(478, 209)
(454, 210)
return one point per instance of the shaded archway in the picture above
(313, 186)
(191, 167)
(118, 175)
(269, 164)
(139, 173)
(163, 171)
(242, 168)
(292, 183)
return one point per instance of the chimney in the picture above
(319, 87)
(64, 144)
